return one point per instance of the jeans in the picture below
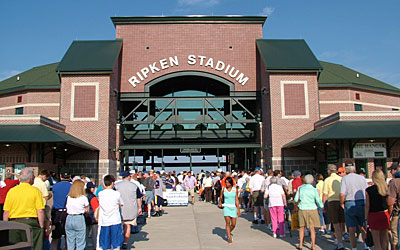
(75, 228)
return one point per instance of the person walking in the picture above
(132, 208)
(320, 188)
(331, 195)
(208, 185)
(231, 207)
(110, 202)
(159, 195)
(276, 203)
(90, 217)
(25, 204)
(149, 185)
(352, 200)
(394, 202)
(75, 226)
(7, 185)
(308, 201)
(256, 185)
(59, 211)
(376, 207)
(190, 182)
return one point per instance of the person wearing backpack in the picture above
(90, 218)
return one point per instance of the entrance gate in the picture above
(188, 112)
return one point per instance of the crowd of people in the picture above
(344, 204)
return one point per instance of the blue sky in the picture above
(361, 34)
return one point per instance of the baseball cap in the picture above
(145, 172)
(341, 170)
(297, 173)
(90, 185)
(65, 173)
(125, 174)
(157, 172)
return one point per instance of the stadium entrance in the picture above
(189, 119)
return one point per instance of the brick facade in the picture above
(233, 44)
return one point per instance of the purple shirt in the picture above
(189, 182)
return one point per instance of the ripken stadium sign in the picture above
(203, 61)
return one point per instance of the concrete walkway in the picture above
(202, 226)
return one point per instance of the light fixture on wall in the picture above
(371, 140)
(204, 158)
(327, 143)
(54, 148)
(176, 158)
(8, 145)
(65, 149)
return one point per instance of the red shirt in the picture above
(3, 191)
(296, 184)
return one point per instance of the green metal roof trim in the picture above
(188, 19)
(350, 130)
(38, 134)
(291, 54)
(336, 75)
(41, 77)
(91, 56)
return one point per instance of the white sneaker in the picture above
(275, 236)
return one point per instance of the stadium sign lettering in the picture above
(193, 60)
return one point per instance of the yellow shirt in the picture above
(320, 188)
(23, 201)
(332, 187)
(41, 185)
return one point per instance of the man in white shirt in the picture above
(256, 185)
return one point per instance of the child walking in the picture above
(111, 235)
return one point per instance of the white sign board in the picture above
(369, 150)
(176, 198)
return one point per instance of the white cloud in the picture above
(206, 3)
(267, 11)
(8, 73)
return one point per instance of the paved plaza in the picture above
(202, 226)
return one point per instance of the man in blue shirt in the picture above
(59, 212)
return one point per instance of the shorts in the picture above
(309, 218)
(393, 228)
(111, 237)
(131, 222)
(379, 220)
(335, 212)
(58, 219)
(257, 198)
(191, 192)
(354, 212)
(149, 197)
(159, 201)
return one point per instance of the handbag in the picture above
(368, 240)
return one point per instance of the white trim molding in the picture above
(96, 117)
(31, 105)
(284, 116)
(362, 103)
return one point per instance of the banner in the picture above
(176, 198)
(369, 150)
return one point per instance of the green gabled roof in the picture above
(288, 55)
(39, 134)
(350, 130)
(336, 75)
(41, 77)
(91, 56)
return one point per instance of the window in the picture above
(357, 107)
(357, 96)
(19, 111)
(19, 99)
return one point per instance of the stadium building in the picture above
(195, 86)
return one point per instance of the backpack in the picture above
(218, 186)
(89, 217)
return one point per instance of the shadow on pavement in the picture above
(220, 232)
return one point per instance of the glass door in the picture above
(2, 172)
